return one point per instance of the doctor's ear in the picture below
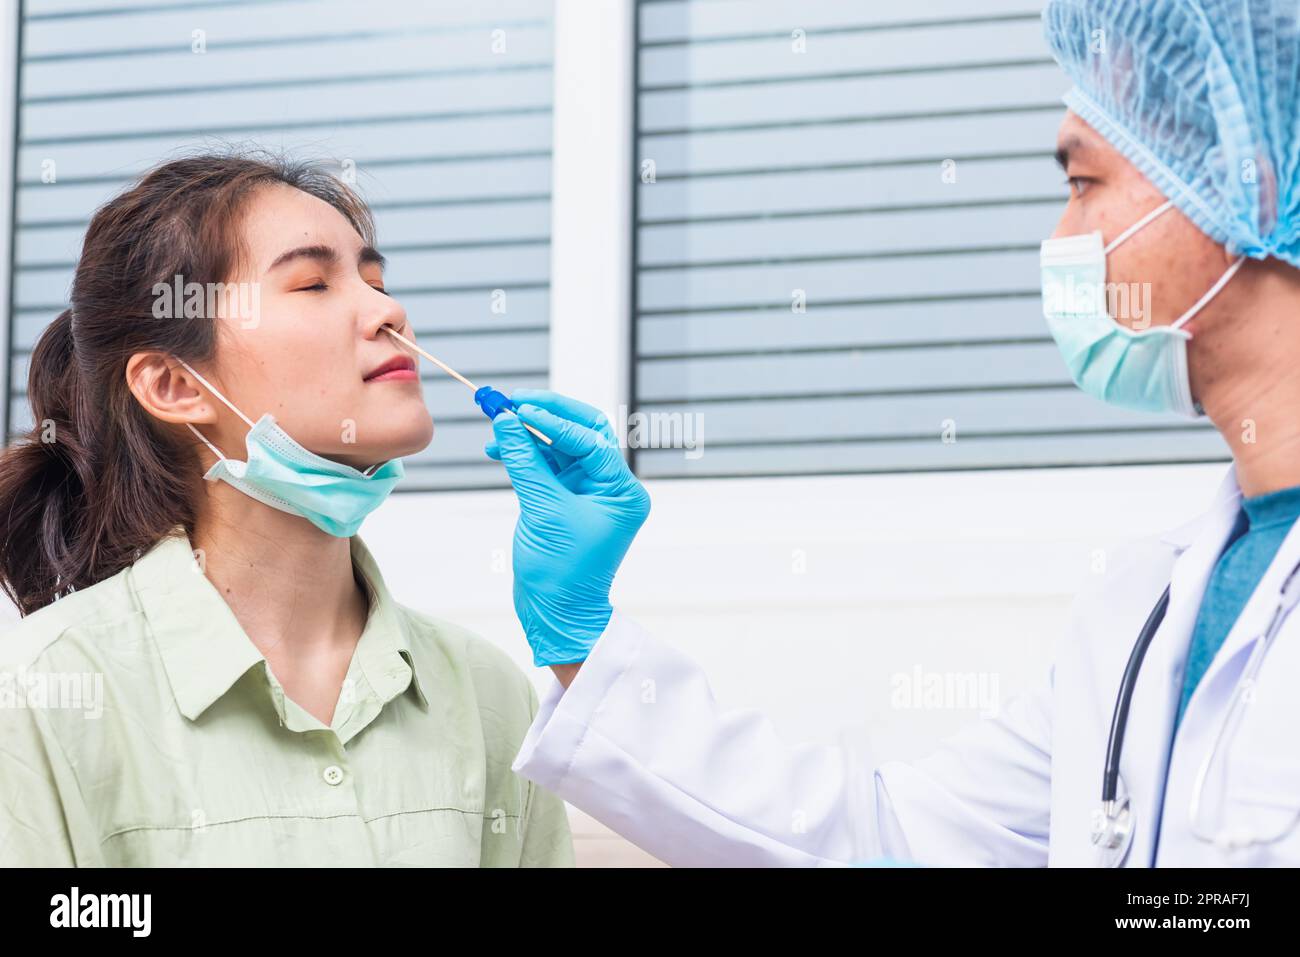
(167, 391)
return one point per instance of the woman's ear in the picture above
(166, 390)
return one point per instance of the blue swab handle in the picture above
(493, 403)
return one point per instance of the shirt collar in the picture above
(205, 650)
(1227, 498)
(387, 634)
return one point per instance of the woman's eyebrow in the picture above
(327, 255)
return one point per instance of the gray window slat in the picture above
(973, 365)
(752, 194)
(1010, 87)
(930, 139)
(841, 327)
(329, 101)
(837, 282)
(873, 417)
(880, 233)
(272, 20)
(761, 61)
(293, 67)
(708, 19)
(381, 144)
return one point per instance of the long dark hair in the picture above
(97, 481)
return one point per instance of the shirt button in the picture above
(333, 774)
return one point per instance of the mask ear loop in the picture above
(249, 422)
(1205, 300)
(1213, 291)
(1154, 214)
(208, 385)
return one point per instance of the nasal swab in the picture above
(492, 402)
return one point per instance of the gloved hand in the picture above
(580, 506)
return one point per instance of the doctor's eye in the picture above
(1078, 184)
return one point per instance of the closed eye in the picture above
(315, 287)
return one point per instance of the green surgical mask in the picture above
(1140, 369)
(279, 472)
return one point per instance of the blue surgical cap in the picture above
(1201, 96)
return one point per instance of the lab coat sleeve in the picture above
(639, 743)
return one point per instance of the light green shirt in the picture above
(140, 726)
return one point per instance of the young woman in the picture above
(212, 672)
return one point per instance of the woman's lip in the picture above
(394, 375)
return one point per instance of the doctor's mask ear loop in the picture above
(1213, 291)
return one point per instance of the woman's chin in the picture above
(409, 440)
(396, 440)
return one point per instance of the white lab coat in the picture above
(638, 742)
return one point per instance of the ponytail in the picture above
(43, 479)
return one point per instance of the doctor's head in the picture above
(260, 274)
(1182, 148)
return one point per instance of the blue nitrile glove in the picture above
(580, 506)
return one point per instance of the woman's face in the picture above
(309, 352)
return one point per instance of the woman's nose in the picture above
(388, 313)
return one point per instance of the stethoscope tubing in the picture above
(1127, 684)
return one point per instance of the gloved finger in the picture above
(561, 464)
(566, 408)
(592, 450)
(528, 471)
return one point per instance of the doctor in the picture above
(1166, 732)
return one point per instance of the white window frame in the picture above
(9, 39)
(591, 201)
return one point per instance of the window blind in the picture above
(891, 166)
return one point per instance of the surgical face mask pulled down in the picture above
(279, 472)
(1143, 370)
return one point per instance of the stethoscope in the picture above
(1112, 822)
